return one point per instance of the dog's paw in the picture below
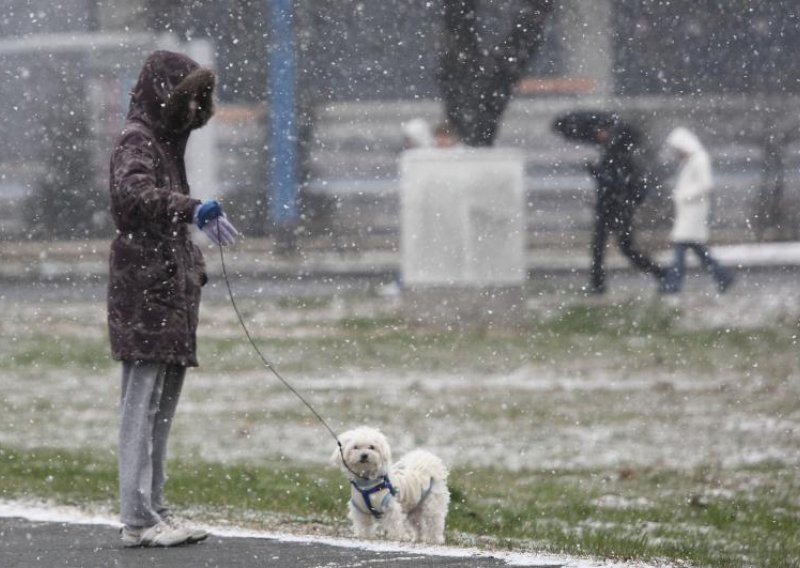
(401, 536)
(400, 531)
(433, 539)
(363, 525)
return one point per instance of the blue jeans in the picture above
(721, 275)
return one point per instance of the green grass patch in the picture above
(707, 517)
(594, 339)
(303, 302)
(640, 336)
(63, 351)
(635, 336)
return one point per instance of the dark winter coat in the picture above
(621, 180)
(156, 272)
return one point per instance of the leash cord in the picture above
(269, 365)
(264, 360)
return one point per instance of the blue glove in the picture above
(212, 221)
(207, 211)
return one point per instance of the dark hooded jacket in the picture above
(621, 181)
(156, 272)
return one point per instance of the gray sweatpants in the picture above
(150, 393)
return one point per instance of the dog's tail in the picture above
(423, 460)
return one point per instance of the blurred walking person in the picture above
(620, 190)
(621, 183)
(691, 198)
(155, 276)
(445, 136)
(417, 133)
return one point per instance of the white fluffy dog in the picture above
(408, 499)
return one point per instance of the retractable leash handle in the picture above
(269, 365)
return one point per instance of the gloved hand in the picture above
(209, 217)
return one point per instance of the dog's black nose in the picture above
(364, 457)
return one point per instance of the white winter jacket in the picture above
(692, 191)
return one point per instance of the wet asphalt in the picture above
(27, 544)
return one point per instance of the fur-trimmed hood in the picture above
(173, 95)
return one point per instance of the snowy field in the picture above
(637, 407)
(589, 409)
(532, 418)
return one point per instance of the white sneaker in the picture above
(161, 534)
(196, 534)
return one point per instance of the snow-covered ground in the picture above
(596, 412)
(568, 415)
(534, 418)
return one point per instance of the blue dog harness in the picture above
(382, 491)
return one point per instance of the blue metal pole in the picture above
(283, 123)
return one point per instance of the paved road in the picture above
(26, 544)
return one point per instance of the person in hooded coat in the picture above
(621, 189)
(155, 276)
(417, 133)
(691, 199)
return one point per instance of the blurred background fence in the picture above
(366, 67)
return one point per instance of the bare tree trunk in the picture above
(773, 219)
(476, 81)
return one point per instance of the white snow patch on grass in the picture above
(597, 420)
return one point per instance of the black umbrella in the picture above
(582, 126)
